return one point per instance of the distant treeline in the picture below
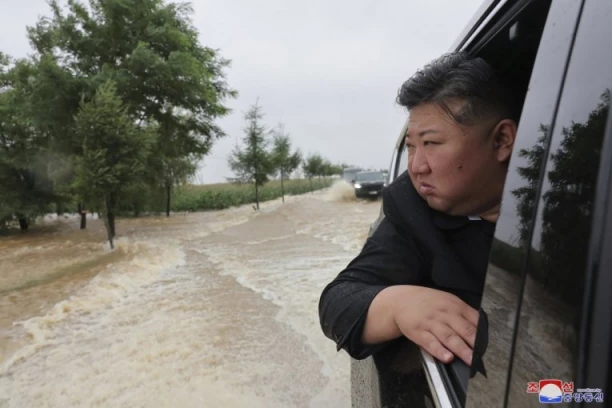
(222, 196)
(259, 159)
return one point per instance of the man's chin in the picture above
(437, 204)
(446, 208)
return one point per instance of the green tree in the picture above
(313, 166)
(51, 101)
(114, 152)
(253, 163)
(164, 76)
(27, 190)
(329, 169)
(337, 170)
(283, 159)
(170, 170)
(326, 168)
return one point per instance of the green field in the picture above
(225, 195)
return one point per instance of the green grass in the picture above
(226, 195)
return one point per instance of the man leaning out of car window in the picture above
(421, 274)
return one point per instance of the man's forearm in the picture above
(380, 323)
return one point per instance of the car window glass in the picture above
(504, 276)
(550, 310)
(372, 176)
(403, 160)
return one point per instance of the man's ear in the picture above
(504, 136)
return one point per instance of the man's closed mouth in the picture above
(425, 188)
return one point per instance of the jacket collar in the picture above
(449, 222)
(402, 203)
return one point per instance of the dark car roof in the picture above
(370, 172)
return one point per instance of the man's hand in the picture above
(439, 322)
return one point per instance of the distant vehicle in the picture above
(349, 173)
(369, 184)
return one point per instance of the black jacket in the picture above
(412, 245)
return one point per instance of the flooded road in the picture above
(215, 309)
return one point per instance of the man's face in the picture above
(455, 168)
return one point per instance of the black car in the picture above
(547, 291)
(369, 184)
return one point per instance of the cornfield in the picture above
(226, 195)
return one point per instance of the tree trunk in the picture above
(310, 179)
(168, 193)
(107, 222)
(23, 223)
(257, 195)
(110, 211)
(282, 187)
(83, 214)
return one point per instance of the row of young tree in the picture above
(266, 153)
(117, 101)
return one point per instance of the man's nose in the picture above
(418, 162)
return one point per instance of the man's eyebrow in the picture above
(423, 132)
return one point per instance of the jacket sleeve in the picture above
(387, 258)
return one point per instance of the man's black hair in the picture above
(457, 76)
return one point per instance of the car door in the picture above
(551, 323)
(509, 252)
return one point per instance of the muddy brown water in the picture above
(211, 309)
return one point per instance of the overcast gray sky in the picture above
(328, 69)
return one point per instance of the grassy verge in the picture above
(225, 195)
